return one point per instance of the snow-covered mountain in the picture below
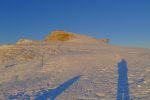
(29, 66)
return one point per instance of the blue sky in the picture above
(125, 22)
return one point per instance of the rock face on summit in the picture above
(60, 36)
(24, 41)
(73, 37)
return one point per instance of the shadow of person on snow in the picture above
(123, 86)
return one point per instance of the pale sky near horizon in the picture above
(124, 22)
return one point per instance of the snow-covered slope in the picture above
(30, 67)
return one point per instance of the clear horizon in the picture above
(125, 23)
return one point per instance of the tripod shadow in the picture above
(52, 94)
(123, 86)
(46, 94)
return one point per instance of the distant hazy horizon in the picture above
(125, 23)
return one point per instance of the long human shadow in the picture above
(123, 86)
(45, 94)
(53, 94)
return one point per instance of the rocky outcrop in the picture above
(24, 41)
(73, 37)
(60, 36)
(105, 40)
